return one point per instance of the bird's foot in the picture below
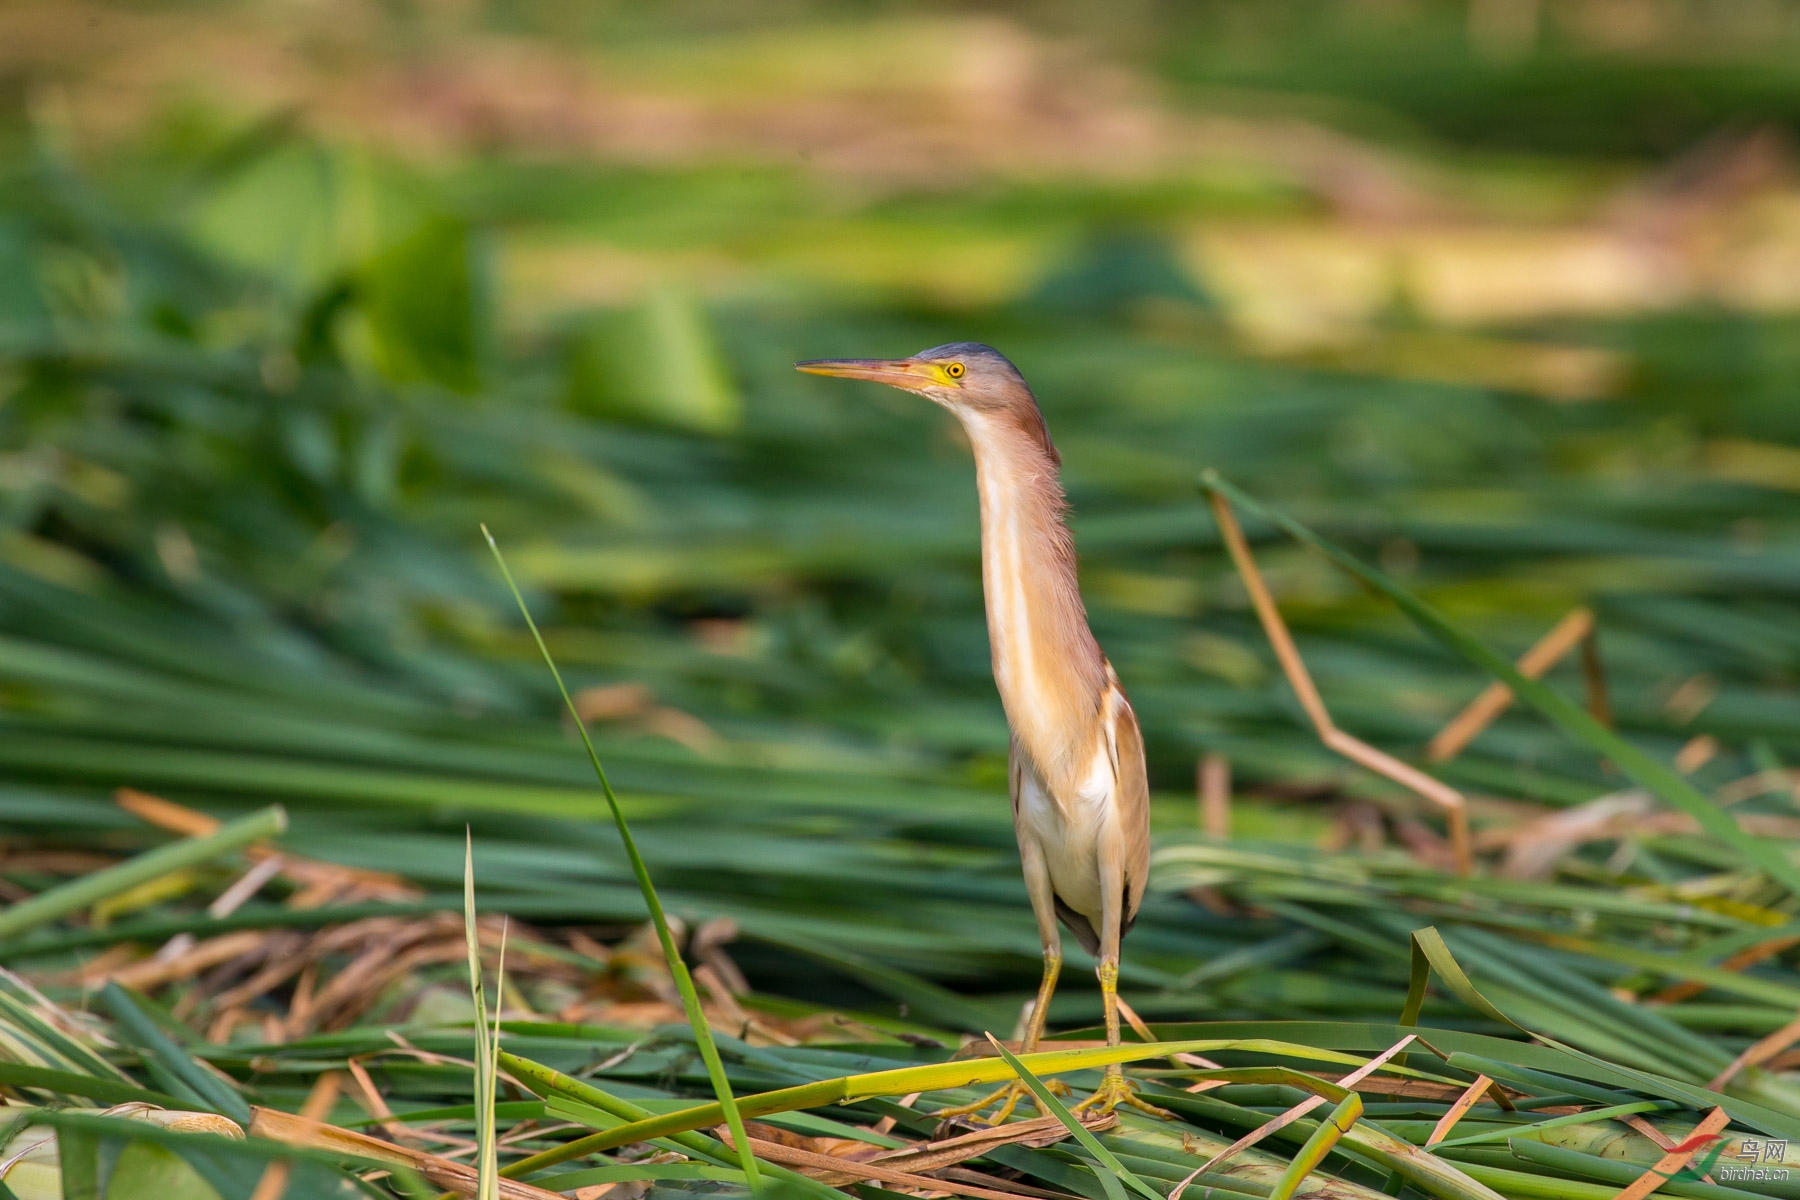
(1115, 1090)
(1007, 1097)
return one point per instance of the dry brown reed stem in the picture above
(1576, 629)
(1749, 956)
(293, 1130)
(372, 1102)
(1593, 678)
(827, 1167)
(320, 882)
(1214, 785)
(1275, 1124)
(1037, 1132)
(1696, 753)
(1455, 807)
(1470, 1097)
(1757, 1053)
(1657, 1137)
(148, 974)
(317, 1107)
(1758, 784)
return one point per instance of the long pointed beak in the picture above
(907, 373)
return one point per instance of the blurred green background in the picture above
(293, 295)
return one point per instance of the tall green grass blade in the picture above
(1657, 777)
(690, 999)
(487, 1163)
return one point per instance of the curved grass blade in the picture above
(690, 999)
(1429, 954)
(1660, 779)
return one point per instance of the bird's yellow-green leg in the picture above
(1008, 1097)
(1114, 1088)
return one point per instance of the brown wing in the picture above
(1133, 800)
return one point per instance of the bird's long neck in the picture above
(1048, 667)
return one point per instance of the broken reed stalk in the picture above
(690, 999)
(1641, 768)
(1456, 809)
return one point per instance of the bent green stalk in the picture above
(898, 1082)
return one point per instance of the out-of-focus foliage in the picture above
(293, 298)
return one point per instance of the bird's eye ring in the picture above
(954, 370)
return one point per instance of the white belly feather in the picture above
(1069, 835)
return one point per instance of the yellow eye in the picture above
(954, 370)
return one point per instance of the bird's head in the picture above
(967, 378)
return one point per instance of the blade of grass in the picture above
(690, 999)
(1538, 1082)
(23, 1011)
(1056, 1108)
(1430, 954)
(1316, 1147)
(82, 893)
(213, 1091)
(487, 1163)
(71, 1083)
(79, 1156)
(1660, 779)
(1584, 1118)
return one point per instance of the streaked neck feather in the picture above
(1047, 666)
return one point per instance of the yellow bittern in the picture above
(1080, 798)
